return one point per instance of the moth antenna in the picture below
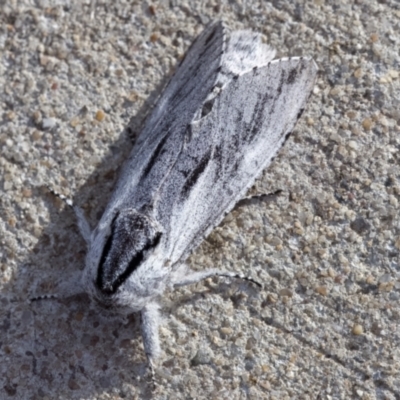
(65, 199)
(83, 224)
(43, 297)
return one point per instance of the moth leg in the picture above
(195, 277)
(83, 224)
(150, 319)
(256, 198)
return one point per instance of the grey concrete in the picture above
(326, 326)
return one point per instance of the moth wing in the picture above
(196, 74)
(158, 145)
(229, 148)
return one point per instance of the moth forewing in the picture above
(244, 131)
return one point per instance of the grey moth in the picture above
(220, 121)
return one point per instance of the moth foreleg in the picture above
(195, 277)
(150, 320)
(83, 224)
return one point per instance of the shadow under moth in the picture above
(221, 120)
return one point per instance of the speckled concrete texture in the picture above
(73, 76)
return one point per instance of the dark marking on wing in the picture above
(206, 48)
(237, 134)
(218, 154)
(243, 48)
(155, 156)
(287, 136)
(195, 69)
(300, 113)
(210, 37)
(236, 166)
(196, 173)
(239, 117)
(218, 158)
(302, 66)
(188, 136)
(257, 117)
(292, 76)
(207, 108)
(281, 83)
(232, 145)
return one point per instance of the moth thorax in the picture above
(133, 237)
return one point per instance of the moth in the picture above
(220, 121)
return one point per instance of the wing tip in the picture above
(308, 62)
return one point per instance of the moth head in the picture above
(119, 276)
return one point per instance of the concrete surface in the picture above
(326, 325)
